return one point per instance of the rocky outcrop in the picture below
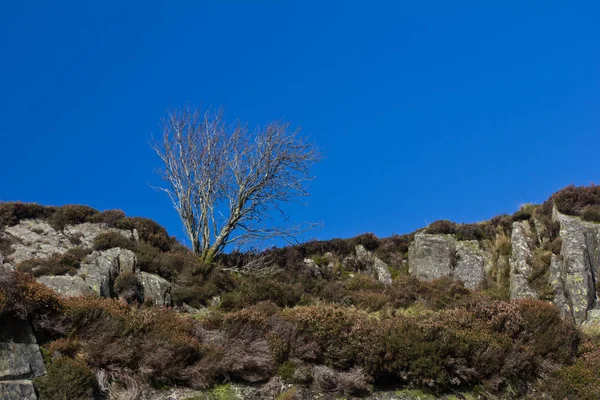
(156, 289)
(37, 239)
(575, 274)
(436, 256)
(102, 267)
(20, 359)
(379, 269)
(520, 268)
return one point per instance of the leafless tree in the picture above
(226, 181)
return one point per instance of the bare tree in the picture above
(226, 181)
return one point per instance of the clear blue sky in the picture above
(424, 110)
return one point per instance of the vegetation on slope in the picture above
(339, 331)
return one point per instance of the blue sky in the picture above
(423, 110)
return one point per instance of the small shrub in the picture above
(525, 212)
(64, 347)
(70, 215)
(591, 213)
(129, 287)
(109, 217)
(443, 227)
(66, 378)
(479, 231)
(6, 242)
(24, 297)
(538, 279)
(369, 241)
(149, 231)
(111, 239)
(502, 224)
(572, 200)
(580, 380)
(12, 213)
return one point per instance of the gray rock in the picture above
(1, 258)
(556, 277)
(37, 239)
(580, 263)
(17, 390)
(429, 256)
(191, 310)
(470, 263)
(593, 319)
(67, 286)
(377, 266)
(436, 256)
(156, 288)
(520, 269)
(20, 356)
(102, 267)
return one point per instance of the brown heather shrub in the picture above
(12, 213)
(484, 230)
(525, 212)
(26, 298)
(443, 227)
(111, 239)
(149, 231)
(580, 380)
(66, 378)
(255, 290)
(129, 287)
(539, 278)
(71, 214)
(109, 217)
(158, 342)
(493, 343)
(572, 200)
(6, 242)
(58, 264)
(63, 347)
(591, 213)
(502, 224)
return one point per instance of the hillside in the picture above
(100, 305)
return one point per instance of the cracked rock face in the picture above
(520, 268)
(20, 359)
(575, 275)
(433, 256)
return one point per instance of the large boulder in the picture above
(156, 289)
(433, 256)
